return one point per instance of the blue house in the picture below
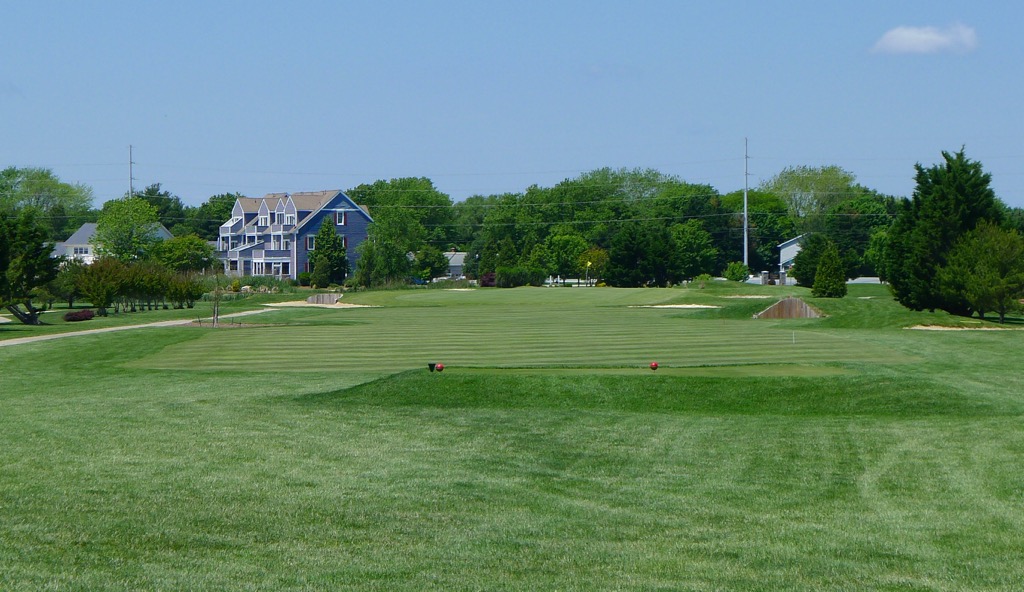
(274, 235)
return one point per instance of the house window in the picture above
(289, 219)
(81, 250)
(278, 217)
(344, 241)
(310, 242)
(340, 218)
(287, 244)
(233, 265)
(263, 221)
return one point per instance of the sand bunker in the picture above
(675, 306)
(304, 304)
(750, 296)
(944, 328)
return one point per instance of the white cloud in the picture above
(955, 38)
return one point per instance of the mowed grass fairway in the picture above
(312, 450)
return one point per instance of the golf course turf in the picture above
(311, 449)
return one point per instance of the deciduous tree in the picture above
(126, 229)
(186, 253)
(25, 259)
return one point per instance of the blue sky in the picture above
(488, 98)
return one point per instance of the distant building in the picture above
(456, 263)
(274, 235)
(78, 245)
(788, 251)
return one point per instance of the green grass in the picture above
(546, 456)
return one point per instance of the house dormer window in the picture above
(263, 221)
(340, 218)
(278, 217)
(289, 219)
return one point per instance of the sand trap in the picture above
(5, 320)
(460, 290)
(750, 297)
(304, 304)
(942, 328)
(675, 306)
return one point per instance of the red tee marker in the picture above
(439, 367)
(654, 365)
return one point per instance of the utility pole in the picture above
(746, 232)
(131, 174)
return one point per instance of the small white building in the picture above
(456, 263)
(788, 251)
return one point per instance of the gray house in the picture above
(274, 235)
(78, 246)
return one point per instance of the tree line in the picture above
(632, 227)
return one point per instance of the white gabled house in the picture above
(788, 251)
(78, 245)
(274, 235)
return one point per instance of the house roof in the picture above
(456, 258)
(791, 241)
(82, 235)
(313, 200)
(250, 204)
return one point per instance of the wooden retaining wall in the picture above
(789, 308)
(323, 299)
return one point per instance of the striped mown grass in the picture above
(509, 336)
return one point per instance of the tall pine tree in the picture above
(948, 201)
(329, 258)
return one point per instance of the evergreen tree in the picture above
(949, 200)
(830, 277)
(329, 259)
(805, 264)
(986, 267)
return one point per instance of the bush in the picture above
(488, 280)
(737, 272)
(702, 280)
(304, 278)
(79, 315)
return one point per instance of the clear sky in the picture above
(492, 97)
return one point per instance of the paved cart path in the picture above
(21, 340)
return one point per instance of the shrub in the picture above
(304, 278)
(488, 280)
(737, 272)
(702, 280)
(79, 315)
